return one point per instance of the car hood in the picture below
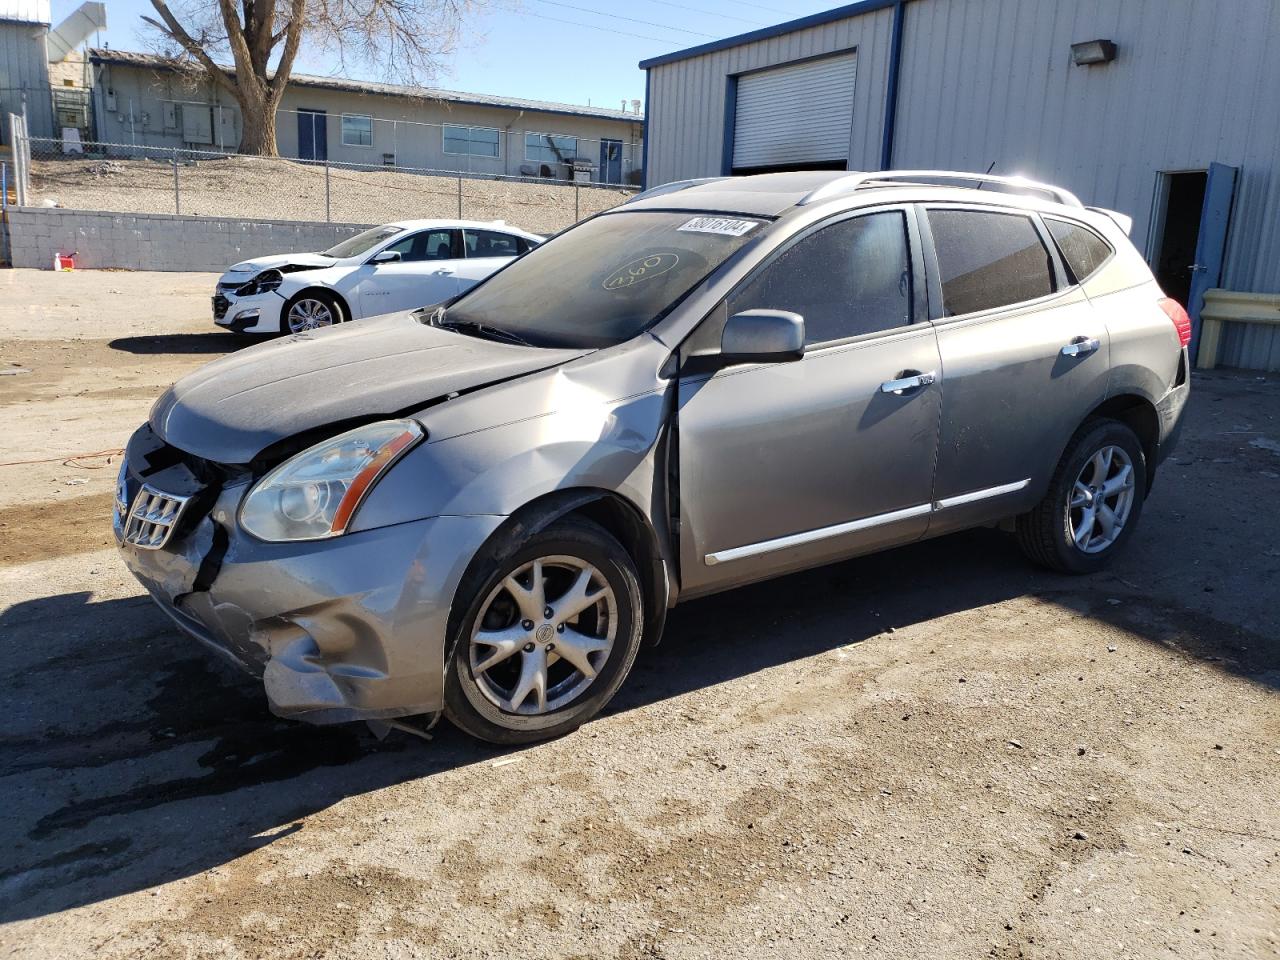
(230, 410)
(305, 260)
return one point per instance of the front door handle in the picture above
(908, 381)
(1081, 347)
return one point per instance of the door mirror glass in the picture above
(387, 256)
(762, 336)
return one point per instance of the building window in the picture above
(357, 130)
(472, 141)
(549, 148)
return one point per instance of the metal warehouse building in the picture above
(1166, 110)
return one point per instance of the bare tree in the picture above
(403, 40)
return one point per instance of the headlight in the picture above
(265, 282)
(315, 494)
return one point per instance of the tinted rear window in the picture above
(1083, 249)
(988, 260)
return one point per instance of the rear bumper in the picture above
(345, 629)
(1170, 410)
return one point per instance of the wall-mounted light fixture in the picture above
(1092, 51)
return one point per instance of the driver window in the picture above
(846, 280)
(426, 245)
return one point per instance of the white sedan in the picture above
(399, 266)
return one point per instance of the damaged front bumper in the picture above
(257, 313)
(351, 628)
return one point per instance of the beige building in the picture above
(144, 100)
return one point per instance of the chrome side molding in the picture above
(866, 523)
(975, 495)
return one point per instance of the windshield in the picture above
(361, 242)
(604, 281)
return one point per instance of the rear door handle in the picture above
(1081, 347)
(908, 382)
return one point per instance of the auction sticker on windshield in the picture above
(721, 225)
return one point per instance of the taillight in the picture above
(1181, 322)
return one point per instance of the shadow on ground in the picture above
(213, 342)
(138, 759)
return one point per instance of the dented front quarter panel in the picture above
(593, 423)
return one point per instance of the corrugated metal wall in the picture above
(24, 67)
(686, 105)
(1194, 81)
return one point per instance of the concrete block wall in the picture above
(153, 241)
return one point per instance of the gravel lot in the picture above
(283, 190)
(932, 753)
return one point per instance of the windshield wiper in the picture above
(476, 328)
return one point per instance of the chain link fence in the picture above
(133, 178)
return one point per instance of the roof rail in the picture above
(672, 187)
(854, 181)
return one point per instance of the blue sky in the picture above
(566, 50)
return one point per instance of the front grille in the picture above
(220, 306)
(153, 518)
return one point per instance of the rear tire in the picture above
(1093, 503)
(507, 681)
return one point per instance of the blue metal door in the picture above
(611, 161)
(1215, 218)
(313, 135)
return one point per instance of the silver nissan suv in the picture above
(484, 508)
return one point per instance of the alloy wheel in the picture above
(1101, 499)
(543, 635)
(309, 314)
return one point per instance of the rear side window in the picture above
(850, 278)
(1083, 249)
(988, 260)
(487, 243)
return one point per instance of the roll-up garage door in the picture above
(795, 116)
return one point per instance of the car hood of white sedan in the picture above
(251, 267)
(230, 410)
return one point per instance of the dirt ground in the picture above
(284, 190)
(937, 752)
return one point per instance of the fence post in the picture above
(459, 198)
(177, 195)
(576, 215)
(21, 158)
(327, 218)
(4, 185)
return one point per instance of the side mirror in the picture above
(386, 256)
(762, 336)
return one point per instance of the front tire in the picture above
(311, 310)
(1093, 503)
(550, 633)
